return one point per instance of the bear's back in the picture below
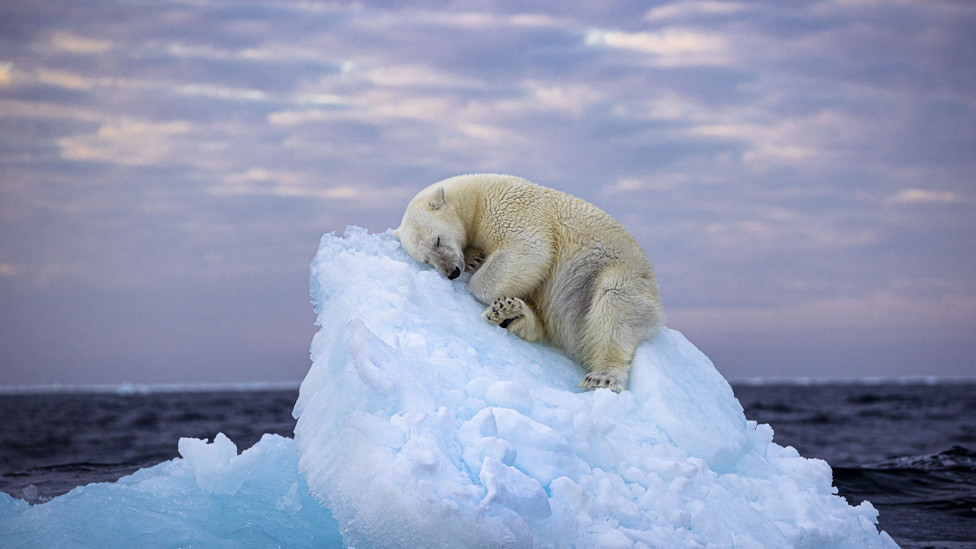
(514, 206)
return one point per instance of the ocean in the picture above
(907, 447)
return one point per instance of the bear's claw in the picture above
(475, 262)
(601, 379)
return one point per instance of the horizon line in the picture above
(138, 389)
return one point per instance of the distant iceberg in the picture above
(420, 425)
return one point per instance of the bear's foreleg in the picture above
(516, 316)
(515, 270)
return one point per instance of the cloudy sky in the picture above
(802, 174)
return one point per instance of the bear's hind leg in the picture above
(516, 316)
(623, 314)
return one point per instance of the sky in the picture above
(802, 175)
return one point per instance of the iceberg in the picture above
(420, 425)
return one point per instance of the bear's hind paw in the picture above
(605, 379)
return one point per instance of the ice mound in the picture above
(213, 497)
(420, 425)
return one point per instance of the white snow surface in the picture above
(420, 425)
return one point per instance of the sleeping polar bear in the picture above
(550, 267)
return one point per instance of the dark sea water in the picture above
(906, 447)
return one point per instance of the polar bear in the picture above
(550, 266)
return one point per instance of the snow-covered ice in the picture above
(212, 497)
(420, 425)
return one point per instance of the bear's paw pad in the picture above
(504, 311)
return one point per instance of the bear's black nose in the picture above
(455, 273)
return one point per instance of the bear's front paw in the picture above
(504, 311)
(473, 262)
(611, 379)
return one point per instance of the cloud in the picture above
(46, 110)
(5, 74)
(285, 183)
(62, 79)
(882, 309)
(820, 136)
(418, 76)
(483, 20)
(922, 196)
(670, 47)
(574, 98)
(129, 143)
(299, 117)
(70, 43)
(689, 10)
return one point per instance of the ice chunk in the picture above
(213, 497)
(680, 391)
(419, 425)
(512, 488)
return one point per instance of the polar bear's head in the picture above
(432, 232)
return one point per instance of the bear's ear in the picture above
(396, 233)
(439, 199)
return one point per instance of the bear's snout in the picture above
(448, 261)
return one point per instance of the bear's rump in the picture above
(566, 302)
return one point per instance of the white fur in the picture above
(549, 266)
